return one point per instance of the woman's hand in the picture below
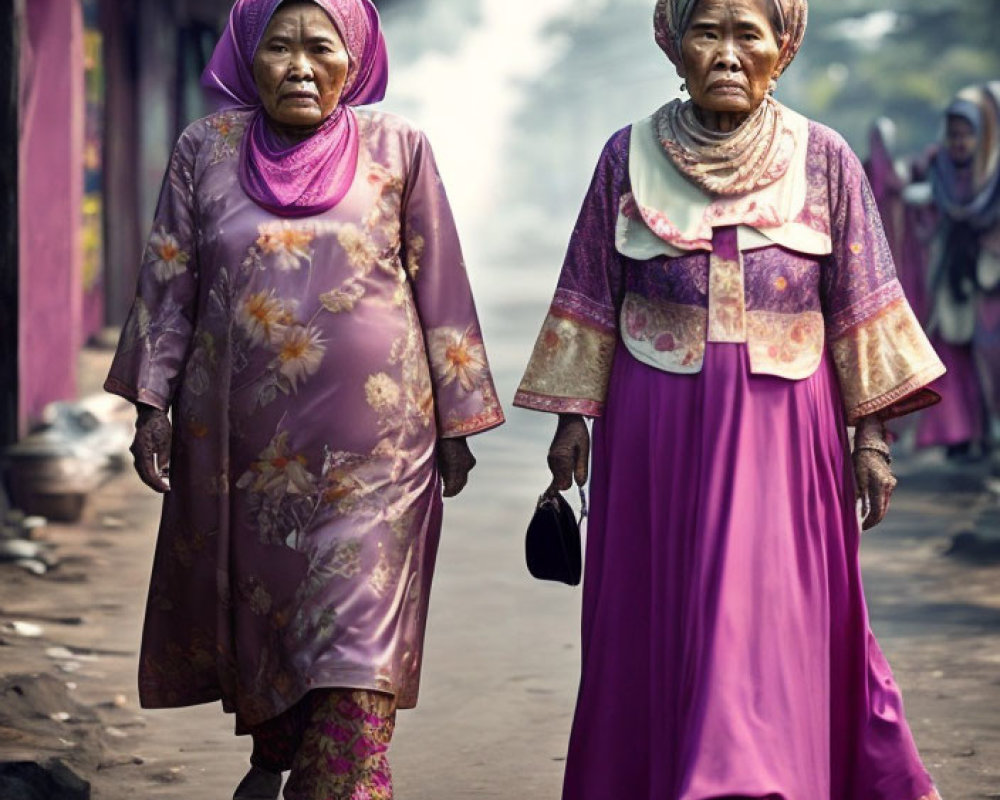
(875, 481)
(455, 461)
(569, 454)
(151, 448)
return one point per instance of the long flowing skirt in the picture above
(726, 646)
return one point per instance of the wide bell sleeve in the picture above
(465, 397)
(570, 366)
(883, 359)
(155, 339)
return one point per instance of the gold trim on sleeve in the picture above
(884, 364)
(569, 368)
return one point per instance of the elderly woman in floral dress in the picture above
(728, 306)
(304, 311)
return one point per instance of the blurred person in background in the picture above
(727, 308)
(304, 311)
(986, 341)
(964, 276)
(905, 223)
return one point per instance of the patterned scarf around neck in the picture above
(753, 156)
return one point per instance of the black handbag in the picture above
(552, 544)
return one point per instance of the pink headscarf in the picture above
(672, 18)
(312, 176)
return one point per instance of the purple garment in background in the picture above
(960, 416)
(919, 222)
(312, 176)
(887, 189)
(987, 349)
(908, 227)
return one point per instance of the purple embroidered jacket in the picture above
(786, 306)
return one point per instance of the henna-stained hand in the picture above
(151, 448)
(455, 462)
(875, 481)
(569, 453)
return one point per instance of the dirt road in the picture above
(501, 664)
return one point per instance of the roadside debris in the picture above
(28, 630)
(78, 446)
(52, 780)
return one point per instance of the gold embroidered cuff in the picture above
(569, 368)
(884, 364)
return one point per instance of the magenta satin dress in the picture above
(726, 647)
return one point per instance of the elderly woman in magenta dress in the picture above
(727, 308)
(305, 312)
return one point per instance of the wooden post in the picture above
(10, 31)
(122, 223)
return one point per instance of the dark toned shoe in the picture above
(259, 784)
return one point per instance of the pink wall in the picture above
(51, 193)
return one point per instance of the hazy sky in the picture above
(465, 99)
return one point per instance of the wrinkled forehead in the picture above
(276, 13)
(770, 9)
(255, 16)
(788, 19)
(289, 14)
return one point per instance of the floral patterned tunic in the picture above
(311, 366)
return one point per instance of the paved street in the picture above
(501, 662)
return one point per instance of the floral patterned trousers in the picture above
(334, 741)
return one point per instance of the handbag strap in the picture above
(549, 494)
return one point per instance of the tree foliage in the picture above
(862, 59)
(904, 59)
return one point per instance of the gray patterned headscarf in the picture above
(672, 18)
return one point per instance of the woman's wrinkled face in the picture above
(961, 140)
(730, 53)
(300, 66)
